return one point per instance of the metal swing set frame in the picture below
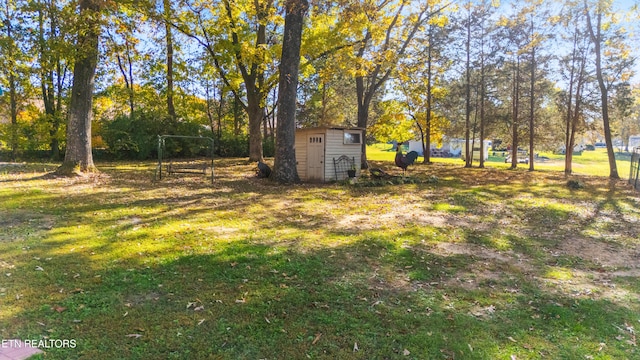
(182, 169)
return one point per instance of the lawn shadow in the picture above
(248, 269)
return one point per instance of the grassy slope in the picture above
(483, 264)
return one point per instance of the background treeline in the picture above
(530, 73)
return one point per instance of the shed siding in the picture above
(334, 148)
(301, 154)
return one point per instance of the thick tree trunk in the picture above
(285, 170)
(256, 112)
(78, 155)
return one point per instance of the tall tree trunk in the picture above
(237, 117)
(516, 109)
(13, 100)
(132, 91)
(569, 134)
(127, 75)
(285, 170)
(252, 75)
(220, 112)
(483, 95)
(255, 110)
(78, 154)
(13, 96)
(46, 78)
(572, 135)
(208, 102)
(61, 72)
(468, 153)
(364, 101)
(171, 110)
(265, 128)
(427, 147)
(569, 126)
(596, 38)
(482, 113)
(532, 110)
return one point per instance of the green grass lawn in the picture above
(588, 163)
(467, 264)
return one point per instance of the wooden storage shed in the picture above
(326, 153)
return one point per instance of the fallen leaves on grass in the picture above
(195, 306)
(630, 331)
(483, 312)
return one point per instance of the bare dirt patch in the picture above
(605, 254)
(580, 283)
(447, 248)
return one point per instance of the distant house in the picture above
(326, 153)
(634, 142)
(450, 147)
(475, 152)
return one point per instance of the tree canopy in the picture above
(536, 75)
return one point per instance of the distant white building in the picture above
(450, 147)
(475, 152)
(634, 142)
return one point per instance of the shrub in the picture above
(137, 137)
(231, 145)
(269, 147)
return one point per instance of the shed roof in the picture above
(329, 128)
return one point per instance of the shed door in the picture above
(315, 157)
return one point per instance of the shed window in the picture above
(352, 138)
